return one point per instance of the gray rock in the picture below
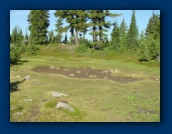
(72, 75)
(18, 113)
(28, 100)
(57, 94)
(27, 78)
(52, 67)
(64, 106)
(12, 108)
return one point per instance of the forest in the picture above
(60, 77)
(124, 39)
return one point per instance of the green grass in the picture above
(93, 100)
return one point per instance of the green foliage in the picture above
(132, 36)
(150, 45)
(50, 104)
(59, 23)
(26, 36)
(15, 54)
(123, 35)
(51, 38)
(99, 24)
(38, 24)
(115, 37)
(31, 49)
(82, 48)
(17, 36)
(153, 27)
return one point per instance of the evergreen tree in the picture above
(153, 36)
(153, 27)
(51, 36)
(10, 39)
(132, 36)
(123, 34)
(38, 24)
(59, 29)
(115, 37)
(26, 36)
(65, 40)
(17, 35)
(143, 48)
(77, 21)
(99, 24)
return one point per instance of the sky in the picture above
(19, 18)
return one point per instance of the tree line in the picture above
(94, 22)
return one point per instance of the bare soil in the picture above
(85, 72)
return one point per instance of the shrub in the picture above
(31, 49)
(82, 48)
(15, 53)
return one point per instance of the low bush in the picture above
(15, 54)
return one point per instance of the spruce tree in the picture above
(99, 24)
(115, 37)
(123, 35)
(26, 36)
(77, 20)
(17, 35)
(60, 14)
(38, 24)
(153, 36)
(51, 36)
(132, 36)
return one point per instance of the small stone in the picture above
(105, 71)
(57, 94)
(52, 67)
(72, 75)
(12, 108)
(64, 106)
(27, 78)
(133, 75)
(18, 113)
(28, 100)
(156, 79)
(92, 76)
(66, 69)
(110, 70)
(116, 71)
(78, 72)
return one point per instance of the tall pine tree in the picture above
(38, 24)
(153, 36)
(132, 36)
(17, 35)
(60, 14)
(115, 37)
(99, 25)
(123, 35)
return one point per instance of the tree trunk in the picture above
(100, 33)
(94, 34)
(76, 38)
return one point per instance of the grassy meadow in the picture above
(93, 99)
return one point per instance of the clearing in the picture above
(98, 90)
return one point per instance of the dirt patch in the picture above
(35, 113)
(144, 111)
(85, 72)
